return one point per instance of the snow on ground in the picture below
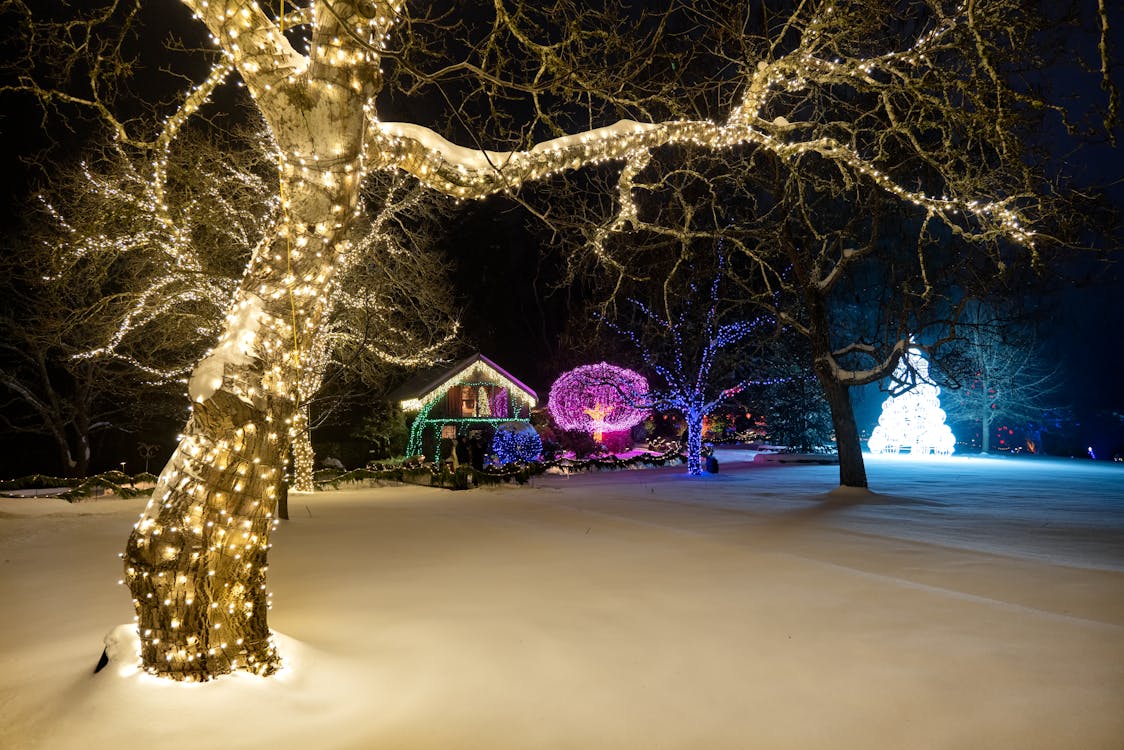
(969, 603)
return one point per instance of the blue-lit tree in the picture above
(685, 343)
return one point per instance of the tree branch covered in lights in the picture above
(192, 239)
(907, 100)
(857, 212)
(48, 315)
(191, 243)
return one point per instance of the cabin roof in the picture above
(424, 385)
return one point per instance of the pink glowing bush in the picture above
(598, 398)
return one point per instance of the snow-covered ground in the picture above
(972, 603)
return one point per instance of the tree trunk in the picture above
(67, 461)
(83, 451)
(694, 442)
(985, 430)
(852, 469)
(196, 561)
(283, 502)
(304, 459)
(74, 457)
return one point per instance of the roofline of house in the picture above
(404, 393)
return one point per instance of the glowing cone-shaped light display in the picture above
(913, 420)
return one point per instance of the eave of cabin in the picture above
(425, 389)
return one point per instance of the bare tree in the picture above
(47, 318)
(1004, 375)
(187, 255)
(694, 75)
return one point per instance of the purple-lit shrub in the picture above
(617, 442)
(598, 399)
(581, 444)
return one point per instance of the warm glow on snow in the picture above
(971, 603)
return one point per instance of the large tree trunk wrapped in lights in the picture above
(201, 598)
(196, 561)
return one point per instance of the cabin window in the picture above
(449, 431)
(500, 403)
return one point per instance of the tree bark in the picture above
(283, 502)
(694, 442)
(852, 469)
(985, 430)
(196, 561)
(70, 464)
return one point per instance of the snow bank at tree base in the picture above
(611, 611)
(315, 701)
(234, 711)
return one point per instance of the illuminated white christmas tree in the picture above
(913, 419)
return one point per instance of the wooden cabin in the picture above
(468, 398)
